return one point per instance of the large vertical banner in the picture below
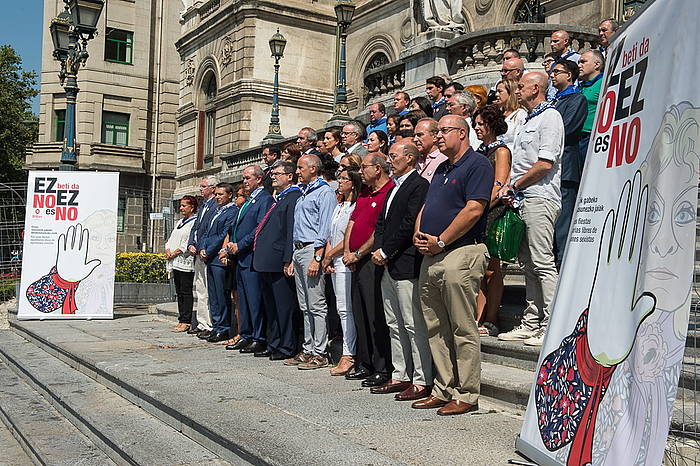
(609, 368)
(69, 245)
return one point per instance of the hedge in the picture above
(140, 267)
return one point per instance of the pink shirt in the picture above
(427, 168)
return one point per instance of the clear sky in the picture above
(21, 28)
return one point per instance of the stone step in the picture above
(12, 451)
(45, 435)
(123, 431)
(238, 405)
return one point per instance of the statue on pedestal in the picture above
(439, 15)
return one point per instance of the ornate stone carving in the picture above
(406, 31)
(190, 69)
(377, 60)
(226, 51)
(483, 6)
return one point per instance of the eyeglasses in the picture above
(447, 129)
(547, 63)
(505, 70)
(556, 71)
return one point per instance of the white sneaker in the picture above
(517, 334)
(536, 339)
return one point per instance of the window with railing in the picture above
(119, 46)
(115, 128)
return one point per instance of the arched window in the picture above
(529, 11)
(210, 87)
(377, 60)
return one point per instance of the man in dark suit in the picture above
(202, 325)
(270, 155)
(395, 252)
(248, 281)
(272, 253)
(218, 272)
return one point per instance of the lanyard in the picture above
(541, 107)
(284, 193)
(220, 210)
(313, 186)
(185, 222)
(485, 148)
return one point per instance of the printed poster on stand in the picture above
(608, 372)
(70, 240)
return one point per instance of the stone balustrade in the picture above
(483, 49)
(384, 80)
(474, 57)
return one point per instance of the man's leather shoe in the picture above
(429, 403)
(254, 347)
(217, 337)
(455, 407)
(193, 331)
(263, 354)
(358, 374)
(414, 392)
(277, 356)
(375, 380)
(238, 345)
(204, 334)
(392, 386)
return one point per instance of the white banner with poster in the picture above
(69, 245)
(608, 372)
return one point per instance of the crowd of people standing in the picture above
(376, 235)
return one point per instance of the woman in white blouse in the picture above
(514, 113)
(181, 263)
(349, 185)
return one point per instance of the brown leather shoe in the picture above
(429, 403)
(392, 386)
(455, 407)
(344, 366)
(414, 392)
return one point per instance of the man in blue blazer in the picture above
(272, 253)
(241, 233)
(217, 271)
(202, 325)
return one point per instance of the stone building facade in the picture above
(125, 111)
(227, 72)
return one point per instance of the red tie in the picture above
(261, 224)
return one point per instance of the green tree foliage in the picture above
(16, 131)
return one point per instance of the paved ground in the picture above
(10, 451)
(278, 413)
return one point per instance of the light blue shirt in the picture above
(380, 125)
(313, 214)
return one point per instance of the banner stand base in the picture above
(533, 454)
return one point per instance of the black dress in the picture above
(489, 151)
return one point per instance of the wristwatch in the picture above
(440, 243)
(357, 254)
(318, 258)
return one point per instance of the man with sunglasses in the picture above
(572, 106)
(272, 253)
(450, 232)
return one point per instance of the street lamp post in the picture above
(344, 11)
(70, 31)
(277, 44)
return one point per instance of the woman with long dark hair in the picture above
(349, 186)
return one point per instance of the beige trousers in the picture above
(200, 292)
(449, 284)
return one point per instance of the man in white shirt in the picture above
(536, 173)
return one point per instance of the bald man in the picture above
(450, 233)
(512, 68)
(560, 42)
(536, 174)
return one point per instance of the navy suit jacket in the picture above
(213, 238)
(574, 111)
(274, 246)
(199, 229)
(394, 229)
(247, 223)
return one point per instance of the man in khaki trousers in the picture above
(450, 233)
